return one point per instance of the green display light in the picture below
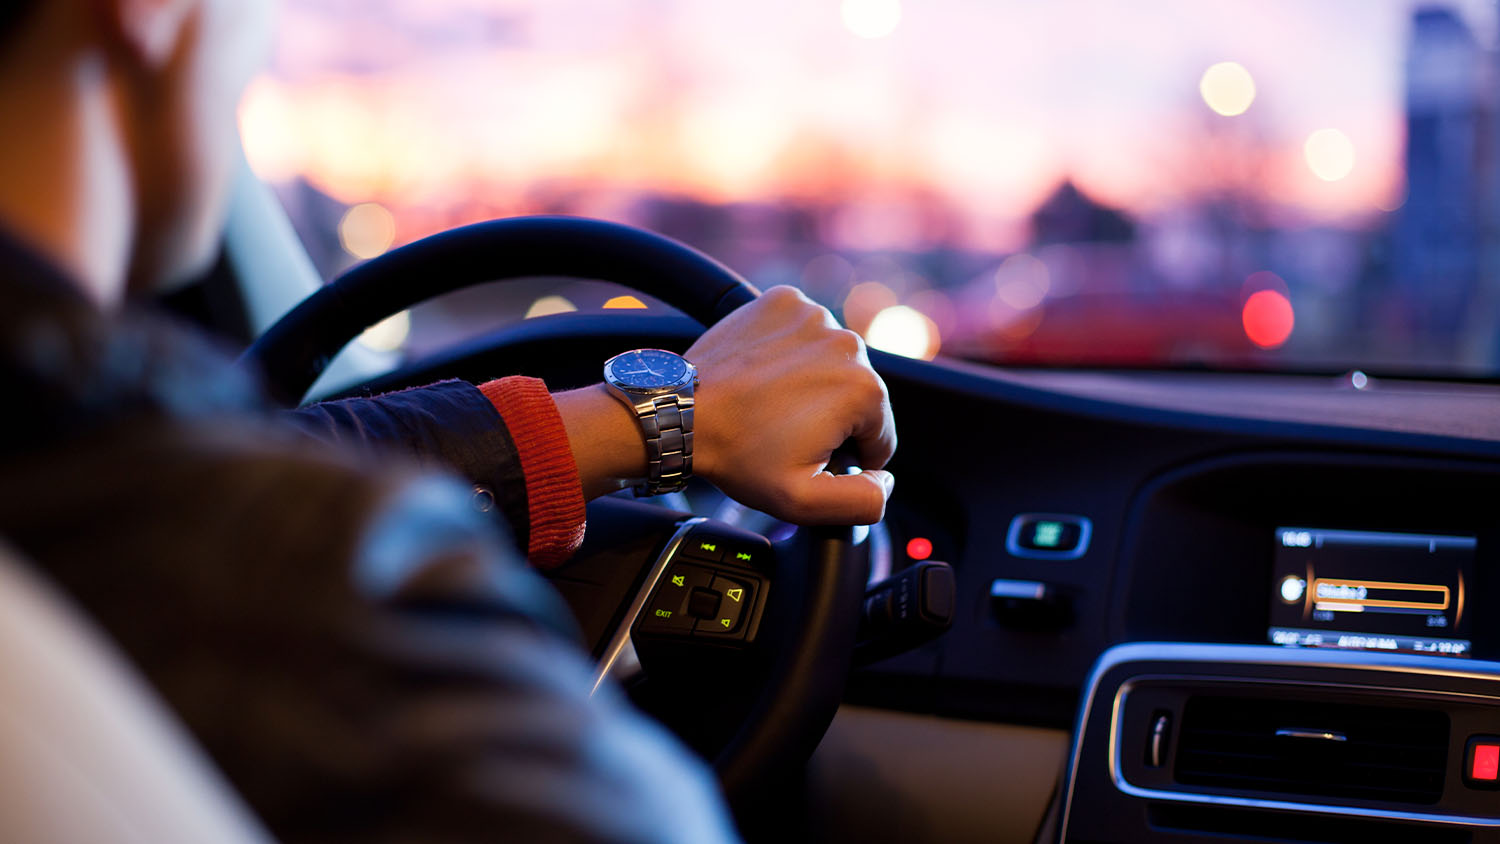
(1047, 534)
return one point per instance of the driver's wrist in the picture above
(605, 440)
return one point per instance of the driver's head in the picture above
(119, 144)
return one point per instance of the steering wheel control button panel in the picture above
(670, 609)
(731, 611)
(1482, 763)
(712, 589)
(1048, 536)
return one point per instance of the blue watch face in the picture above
(648, 368)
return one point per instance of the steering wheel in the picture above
(814, 626)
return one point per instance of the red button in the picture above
(1486, 763)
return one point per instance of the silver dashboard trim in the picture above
(1313, 734)
(620, 642)
(1258, 655)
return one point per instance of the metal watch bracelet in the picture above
(667, 426)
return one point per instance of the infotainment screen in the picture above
(1368, 590)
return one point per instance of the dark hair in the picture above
(13, 16)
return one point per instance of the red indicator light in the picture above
(1486, 765)
(1268, 318)
(919, 548)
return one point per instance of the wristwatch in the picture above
(657, 386)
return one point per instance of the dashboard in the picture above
(1187, 498)
(1133, 547)
(1288, 563)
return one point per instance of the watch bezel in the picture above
(689, 375)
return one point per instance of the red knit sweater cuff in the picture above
(554, 492)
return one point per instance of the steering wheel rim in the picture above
(806, 678)
(291, 354)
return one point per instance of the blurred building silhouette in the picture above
(1449, 157)
(1071, 216)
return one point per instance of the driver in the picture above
(361, 652)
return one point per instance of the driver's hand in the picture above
(781, 386)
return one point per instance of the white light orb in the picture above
(1330, 154)
(904, 331)
(1227, 88)
(367, 230)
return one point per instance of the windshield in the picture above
(1270, 184)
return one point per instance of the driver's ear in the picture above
(151, 30)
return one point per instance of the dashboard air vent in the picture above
(1310, 747)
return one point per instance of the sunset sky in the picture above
(423, 104)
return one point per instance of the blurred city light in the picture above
(1227, 88)
(904, 331)
(1012, 326)
(1396, 198)
(872, 18)
(549, 305)
(367, 230)
(936, 306)
(1022, 281)
(864, 301)
(1329, 154)
(1268, 318)
(624, 303)
(389, 334)
(265, 114)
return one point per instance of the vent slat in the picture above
(1391, 753)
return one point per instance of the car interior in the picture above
(1222, 586)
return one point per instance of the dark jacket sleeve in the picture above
(449, 426)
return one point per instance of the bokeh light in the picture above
(389, 334)
(1268, 318)
(1227, 88)
(1022, 281)
(1395, 198)
(864, 301)
(936, 306)
(624, 303)
(549, 305)
(872, 18)
(1329, 154)
(919, 548)
(264, 116)
(367, 230)
(904, 331)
